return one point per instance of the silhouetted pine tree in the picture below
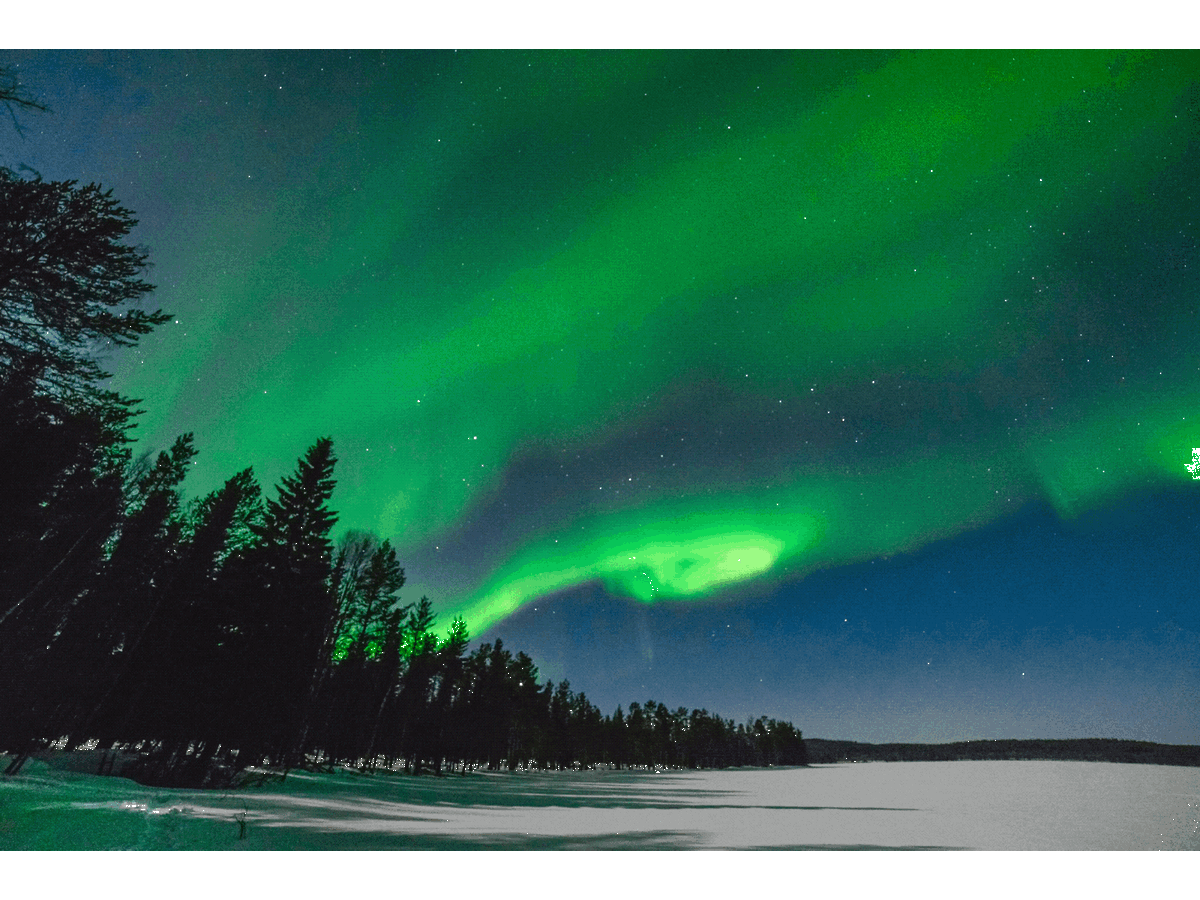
(105, 640)
(562, 728)
(385, 671)
(67, 285)
(530, 712)
(182, 673)
(290, 610)
(617, 743)
(413, 701)
(62, 467)
(446, 729)
(367, 606)
(367, 646)
(67, 281)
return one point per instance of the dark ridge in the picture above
(822, 751)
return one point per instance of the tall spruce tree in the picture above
(291, 613)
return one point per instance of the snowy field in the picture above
(966, 805)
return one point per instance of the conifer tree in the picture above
(352, 557)
(68, 286)
(291, 612)
(445, 740)
(105, 637)
(68, 283)
(378, 584)
(421, 665)
(181, 673)
(386, 672)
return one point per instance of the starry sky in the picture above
(855, 389)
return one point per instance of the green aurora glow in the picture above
(698, 324)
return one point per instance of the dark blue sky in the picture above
(1028, 627)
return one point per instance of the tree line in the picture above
(1079, 749)
(230, 630)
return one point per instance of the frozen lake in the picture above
(971, 805)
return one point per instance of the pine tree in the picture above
(351, 560)
(291, 612)
(181, 675)
(112, 623)
(449, 680)
(366, 660)
(373, 592)
(68, 283)
(416, 684)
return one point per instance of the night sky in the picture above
(854, 389)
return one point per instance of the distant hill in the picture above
(1083, 749)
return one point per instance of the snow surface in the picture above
(979, 805)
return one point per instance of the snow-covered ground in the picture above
(952, 805)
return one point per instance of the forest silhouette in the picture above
(212, 634)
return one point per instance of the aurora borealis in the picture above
(716, 333)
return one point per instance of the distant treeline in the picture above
(227, 631)
(1082, 749)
